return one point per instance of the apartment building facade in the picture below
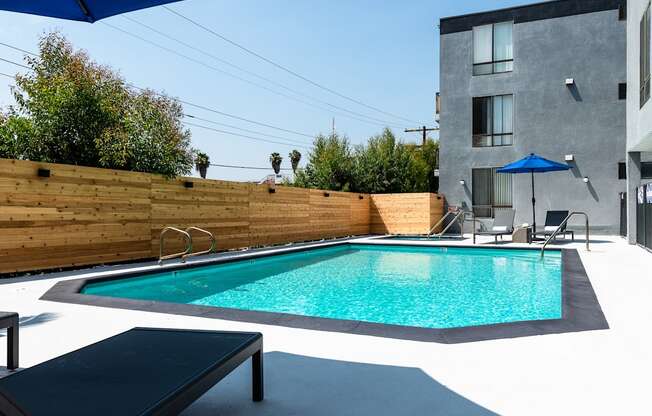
(639, 123)
(548, 78)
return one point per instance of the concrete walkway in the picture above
(321, 373)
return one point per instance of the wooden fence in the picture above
(54, 215)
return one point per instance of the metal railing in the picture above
(182, 254)
(562, 225)
(457, 215)
(199, 253)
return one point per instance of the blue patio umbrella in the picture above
(533, 164)
(81, 10)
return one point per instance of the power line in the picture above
(239, 68)
(188, 103)
(289, 143)
(15, 63)
(234, 127)
(243, 167)
(18, 49)
(221, 71)
(302, 145)
(277, 65)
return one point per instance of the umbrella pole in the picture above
(534, 215)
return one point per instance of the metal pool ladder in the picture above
(182, 254)
(561, 226)
(461, 214)
(199, 253)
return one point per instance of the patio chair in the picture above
(143, 371)
(553, 221)
(503, 225)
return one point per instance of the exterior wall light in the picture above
(43, 173)
(586, 179)
(570, 82)
(462, 182)
(188, 184)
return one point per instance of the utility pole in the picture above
(333, 127)
(423, 130)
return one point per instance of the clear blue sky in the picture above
(381, 52)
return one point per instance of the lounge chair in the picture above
(143, 371)
(553, 220)
(503, 225)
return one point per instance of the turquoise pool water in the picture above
(430, 287)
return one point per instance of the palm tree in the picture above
(202, 162)
(295, 157)
(276, 159)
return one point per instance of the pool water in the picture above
(430, 287)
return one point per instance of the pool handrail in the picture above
(460, 213)
(561, 226)
(188, 249)
(199, 253)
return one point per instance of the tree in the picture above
(386, 165)
(330, 165)
(275, 159)
(202, 162)
(295, 158)
(78, 112)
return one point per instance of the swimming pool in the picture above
(426, 287)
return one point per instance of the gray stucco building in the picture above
(639, 123)
(547, 78)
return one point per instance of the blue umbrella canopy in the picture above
(81, 10)
(532, 164)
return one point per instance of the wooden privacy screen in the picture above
(405, 213)
(84, 216)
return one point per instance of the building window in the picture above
(646, 170)
(491, 191)
(622, 91)
(645, 57)
(493, 121)
(492, 48)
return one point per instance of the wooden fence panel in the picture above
(84, 216)
(77, 216)
(403, 213)
(279, 217)
(217, 206)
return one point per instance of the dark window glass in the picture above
(646, 170)
(622, 11)
(493, 121)
(493, 48)
(622, 170)
(491, 191)
(622, 91)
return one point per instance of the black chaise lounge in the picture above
(553, 221)
(503, 225)
(143, 371)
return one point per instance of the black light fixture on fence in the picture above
(43, 173)
(326, 194)
(188, 184)
(360, 197)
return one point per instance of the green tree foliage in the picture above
(382, 165)
(72, 110)
(330, 165)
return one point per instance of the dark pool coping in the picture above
(581, 310)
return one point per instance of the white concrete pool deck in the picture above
(323, 373)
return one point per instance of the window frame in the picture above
(491, 135)
(645, 38)
(493, 61)
(493, 207)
